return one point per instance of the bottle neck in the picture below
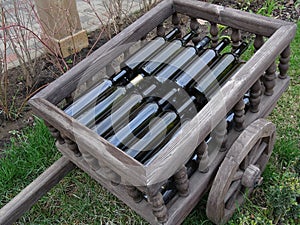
(166, 99)
(188, 37)
(240, 50)
(201, 44)
(222, 45)
(120, 77)
(172, 34)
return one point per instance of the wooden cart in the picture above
(231, 164)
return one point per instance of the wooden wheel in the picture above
(240, 172)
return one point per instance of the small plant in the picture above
(282, 198)
(268, 8)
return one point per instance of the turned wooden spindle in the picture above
(256, 89)
(109, 69)
(269, 79)
(255, 96)
(194, 25)
(134, 193)
(69, 100)
(236, 38)
(284, 62)
(73, 147)
(182, 182)
(126, 53)
(175, 20)
(239, 115)
(90, 160)
(214, 31)
(160, 30)
(159, 208)
(202, 154)
(55, 133)
(219, 135)
(115, 179)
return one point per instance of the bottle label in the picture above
(137, 80)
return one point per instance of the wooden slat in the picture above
(34, 191)
(66, 84)
(179, 150)
(237, 19)
(128, 168)
(200, 182)
(143, 208)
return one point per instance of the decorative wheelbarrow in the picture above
(230, 165)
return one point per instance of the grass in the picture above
(78, 199)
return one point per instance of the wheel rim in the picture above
(240, 171)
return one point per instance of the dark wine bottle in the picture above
(167, 124)
(184, 57)
(135, 127)
(170, 51)
(137, 98)
(200, 65)
(146, 52)
(218, 74)
(103, 104)
(122, 77)
(134, 101)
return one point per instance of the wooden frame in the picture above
(44, 103)
(72, 136)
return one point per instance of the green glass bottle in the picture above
(103, 104)
(200, 65)
(219, 73)
(136, 100)
(138, 97)
(150, 49)
(123, 77)
(170, 51)
(184, 57)
(166, 125)
(141, 119)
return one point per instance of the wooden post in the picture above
(61, 26)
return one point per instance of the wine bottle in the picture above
(137, 98)
(220, 71)
(151, 48)
(207, 84)
(184, 57)
(103, 104)
(141, 120)
(122, 77)
(200, 65)
(170, 51)
(166, 125)
(134, 101)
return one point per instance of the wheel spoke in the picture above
(238, 175)
(245, 163)
(259, 153)
(253, 152)
(232, 190)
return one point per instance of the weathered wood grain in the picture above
(143, 207)
(226, 193)
(200, 182)
(127, 167)
(255, 24)
(180, 149)
(34, 191)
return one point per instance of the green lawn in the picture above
(78, 199)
